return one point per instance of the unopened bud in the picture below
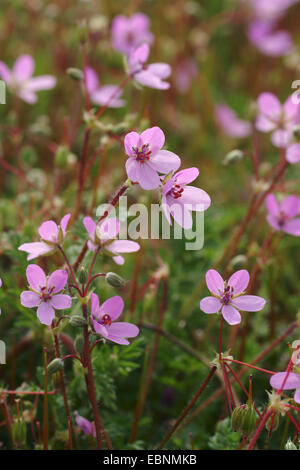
(79, 343)
(56, 380)
(244, 419)
(61, 156)
(75, 73)
(115, 280)
(19, 432)
(83, 275)
(55, 365)
(77, 320)
(290, 445)
(233, 157)
(238, 261)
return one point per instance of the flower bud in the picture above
(55, 365)
(79, 343)
(290, 445)
(75, 73)
(244, 419)
(61, 156)
(77, 320)
(233, 157)
(19, 432)
(56, 380)
(83, 275)
(115, 280)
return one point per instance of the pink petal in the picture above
(281, 138)
(291, 110)
(109, 229)
(91, 79)
(166, 209)
(180, 213)
(273, 221)
(290, 206)
(146, 78)
(292, 381)
(45, 313)
(35, 249)
(30, 299)
(249, 303)
(160, 69)
(132, 169)
(239, 281)
(263, 124)
(49, 231)
(61, 301)
(132, 139)
(186, 176)
(90, 226)
(297, 395)
(28, 96)
(231, 315)
(119, 260)
(100, 329)
(5, 73)
(147, 177)
(139, 56)
(230, 123)
(272, 205)
(123, 330)
(292, 227)
(214, 282)
(112, 307)
(44, 82)
(84, 424)
(118, 340)
(64, 223)
(210, 305)
(108, 95)
(58, 280)
(196, 198)
(36, 277)
(164, 161)
(293, 153)
(155, 137)
(269, 105)
(123, 246)
(23, 68)
(95, 307)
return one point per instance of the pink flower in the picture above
(51, 235)
(178, 199)
(293, 153)
(291, 382)
(129, 33)
(146, 159)
(283, 216)
(229, 296)
(270, 9)
(151, 75)
(44, 293)
(103, 317)
(103, 235)
(231, 124)
(186, 71)
(278, 119)
(102, 95)
(272, 43)
(20, 79)
(85, 425)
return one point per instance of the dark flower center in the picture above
(142, 154)
(282, 219)
(227, 295)
(46, 294)
(176, 191)
(106, 320)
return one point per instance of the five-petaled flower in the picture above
(20, 79)
(229, 296)
(147, 159)
(278, 119)
(103, 235)
(129, 33)
(287, 381)
(85, 425)
(44, 292)
(103, 320)
(283, 216)
(106, 95)
(178, 199)
(152, 75)
(51, 235)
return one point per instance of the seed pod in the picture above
(233, 157)
(55, 365)
(244, 419)
(56, 380)
(19, 432)
(115, 280)
(83, 275)
(61, 156)
(272, 422)
(75, 73)
(77, 320)
(290, 445)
